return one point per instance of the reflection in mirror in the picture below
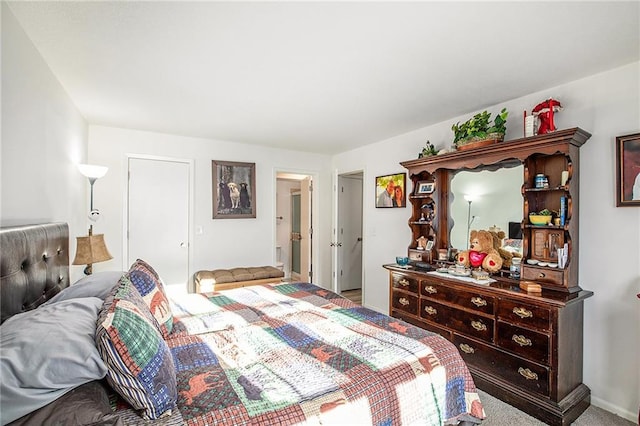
(482, 199)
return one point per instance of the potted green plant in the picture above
(428, 150)
(479, 129)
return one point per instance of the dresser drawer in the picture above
(425, 325)
(405, 283)
(529, 344)
(466, 299)
(404, 302)
(524, 314)
(465, 322)
(543, 275)
(511, 368)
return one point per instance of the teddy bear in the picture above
(498, 236)
(481, 252)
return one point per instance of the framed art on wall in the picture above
(233, 190)
(390, 190)
(628, 170)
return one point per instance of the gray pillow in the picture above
(98, 284)
(47, 352)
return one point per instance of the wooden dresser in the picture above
(524, 348)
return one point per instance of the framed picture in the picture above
(628, 170)
(390, 190)
(425, 187)
(233, 190)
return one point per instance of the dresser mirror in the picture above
(496, 200)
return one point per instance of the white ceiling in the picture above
(322, 77)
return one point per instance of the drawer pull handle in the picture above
(478, 301)
(521, 340)
(478, 325)
(403, 301)
(430, 310)
(430, 289)
(527, 374)
(522, 312)
(541, 275)
(403, 282)
(466, 348)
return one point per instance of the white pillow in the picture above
(47, 352)
(98, 285)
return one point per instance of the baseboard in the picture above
(612, 408)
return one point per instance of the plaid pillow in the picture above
(139, 363)
(150, 287)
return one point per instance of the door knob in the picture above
(183, 244)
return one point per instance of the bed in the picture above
(113, 348)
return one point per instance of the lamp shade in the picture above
(91, 171)
(91, 249)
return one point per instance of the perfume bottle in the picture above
(514, 269)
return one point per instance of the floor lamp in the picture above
(92, 248)
(470, 219)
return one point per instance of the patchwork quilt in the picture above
(295, 353)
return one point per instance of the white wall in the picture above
(606, 105)
(43, 138)
(224, 243)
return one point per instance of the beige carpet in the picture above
(500, 414)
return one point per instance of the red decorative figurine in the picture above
(544, 111)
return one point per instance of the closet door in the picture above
(158, 217)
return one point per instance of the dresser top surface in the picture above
(500, 286)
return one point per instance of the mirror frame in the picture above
(498, 155)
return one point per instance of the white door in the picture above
(349, 232)
(295, 236)
(306, 189)
(302, 232)
(158, 217)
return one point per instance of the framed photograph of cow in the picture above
(233, 190)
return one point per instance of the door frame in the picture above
(190, 215)
(335, 225)
(298, 174)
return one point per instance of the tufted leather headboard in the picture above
(34, 266)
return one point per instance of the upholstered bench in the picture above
(224, 279)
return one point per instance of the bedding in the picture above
(139, 364)
(47, 352)
(98, 284)
(87, 404)
(150, 287)
(299, 354)
(286, 353)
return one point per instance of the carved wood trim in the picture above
(516, 149)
